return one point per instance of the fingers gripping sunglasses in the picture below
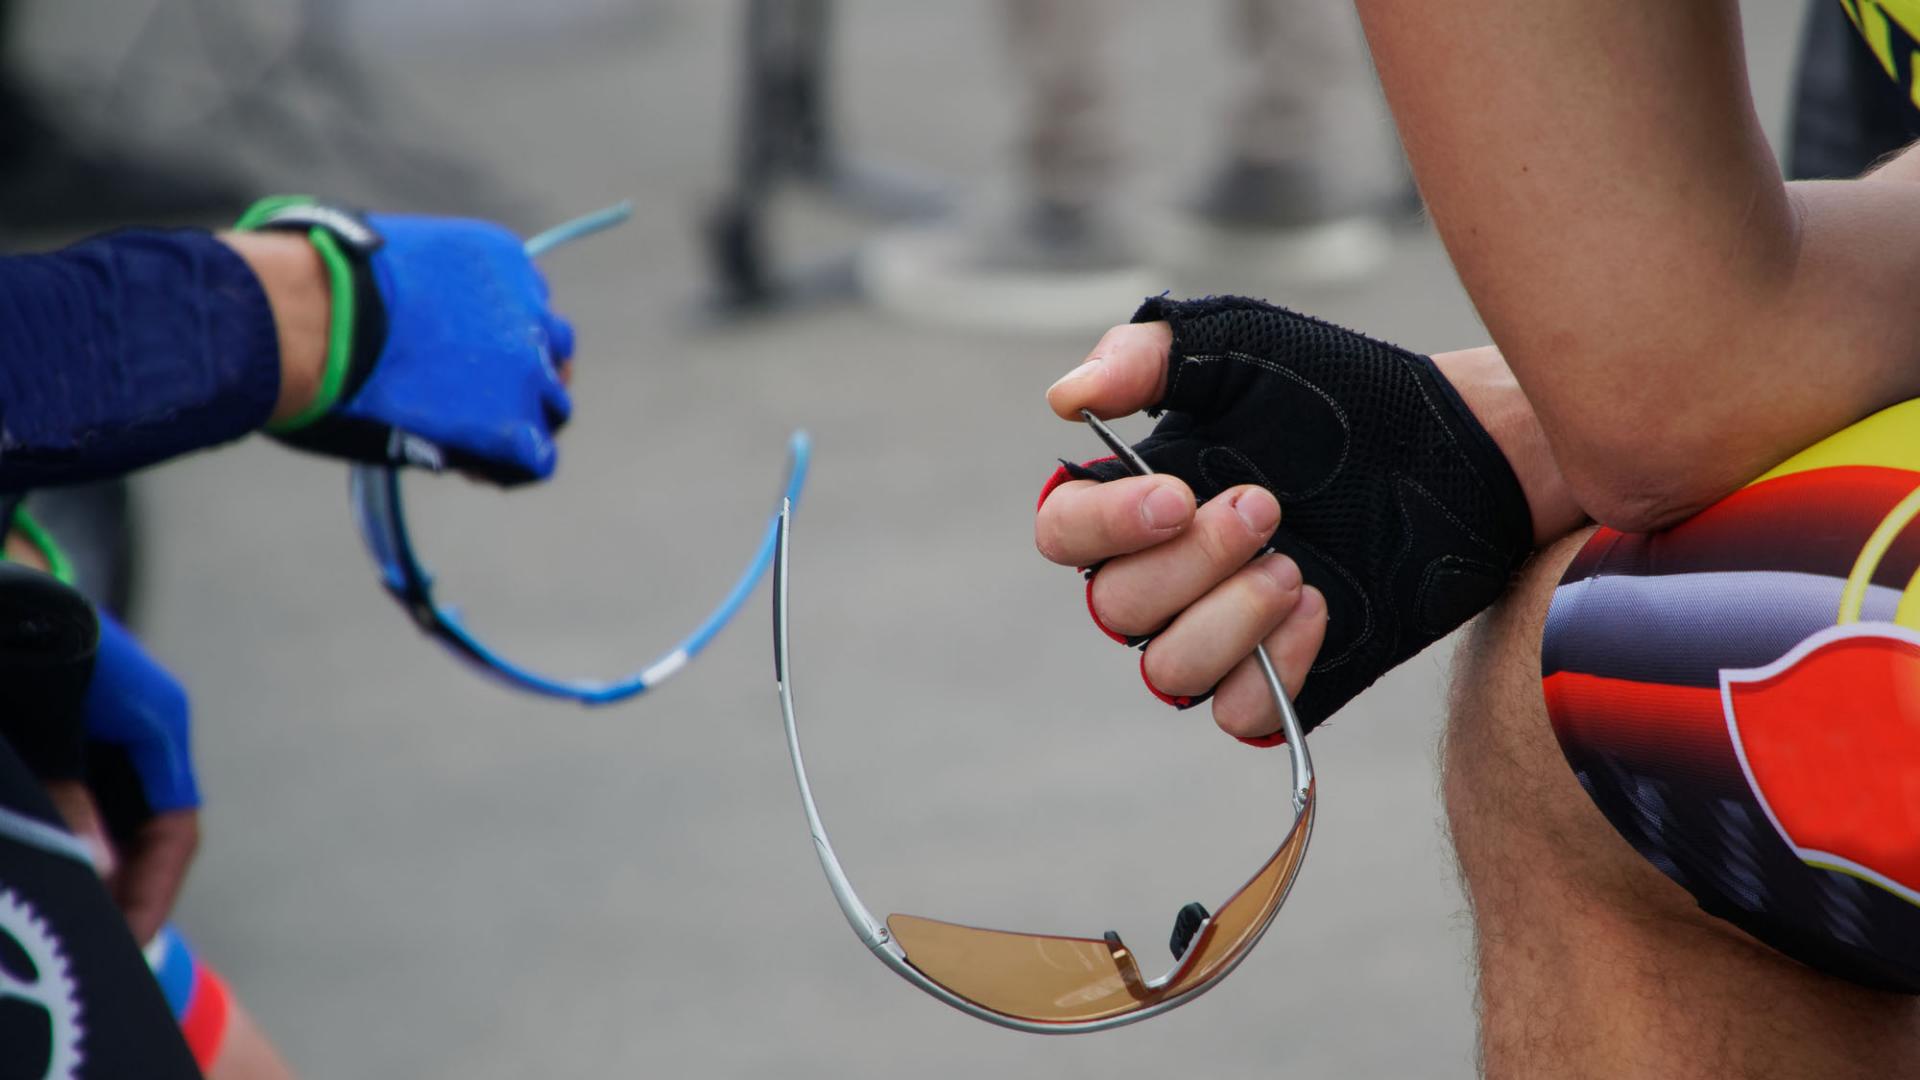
(1047, 983)
(380, 511)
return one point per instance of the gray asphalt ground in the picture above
(409, 872)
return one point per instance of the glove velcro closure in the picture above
(346, 243)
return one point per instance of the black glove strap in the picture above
(356, 241)
(48, 634)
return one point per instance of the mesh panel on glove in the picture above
(1396, 503)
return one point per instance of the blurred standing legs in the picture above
(1306, 181)
(1052, 252)
(1308, 141)
(1068, 156)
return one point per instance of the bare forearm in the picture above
(1671, 397)
(1484, 381)
(1902, 167)
(295, 281)
(1680, 318)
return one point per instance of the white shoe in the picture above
(1049, 269)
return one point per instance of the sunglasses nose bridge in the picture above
(1137, 984)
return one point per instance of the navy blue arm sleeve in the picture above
(127, 349)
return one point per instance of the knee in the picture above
(1502, 766)
(1519, 819)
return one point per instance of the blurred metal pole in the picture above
(781, 123)
(784, 134)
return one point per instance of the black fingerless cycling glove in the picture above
(1395, 502)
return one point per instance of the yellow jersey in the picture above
(1892, 30)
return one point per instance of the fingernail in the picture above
(1283, 571)
(1086, 368)
(1258, 510)
(1163, 508)
(1312, 601)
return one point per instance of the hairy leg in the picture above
(1592, 962)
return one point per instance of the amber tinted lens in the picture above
(1028, 976)
(1067, 980)
(1240, 921)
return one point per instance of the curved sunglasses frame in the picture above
(877, 937)
(380, 512)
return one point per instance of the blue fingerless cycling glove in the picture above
(444, 352)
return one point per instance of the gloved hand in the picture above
(451, 356)
(49, 637)
(103, 726)
(140, 773)
(1396, 504)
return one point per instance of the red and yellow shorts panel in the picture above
(1740, 695)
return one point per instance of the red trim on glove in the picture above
(1095, 616)
(1277, 738)
(1181, 702)
(1061, 476)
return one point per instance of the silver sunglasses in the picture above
(1046, 983)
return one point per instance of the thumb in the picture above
(1126, 372)
(559, 337)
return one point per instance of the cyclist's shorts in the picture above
(1740, 695)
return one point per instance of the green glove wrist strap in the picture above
(58, 564)
(343, 242)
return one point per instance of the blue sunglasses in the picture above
(380, 512)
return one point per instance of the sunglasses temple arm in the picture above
(1296, 734)
(870, 930)
(578, 228)
(1289, 719)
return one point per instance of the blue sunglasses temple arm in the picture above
(444, 622)
(579, 228)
